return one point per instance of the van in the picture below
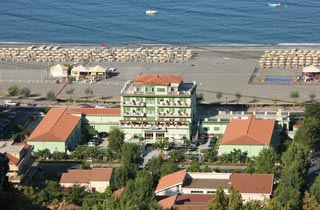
(10, 103)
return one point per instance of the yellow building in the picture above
(89, 73)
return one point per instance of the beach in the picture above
(226, 69)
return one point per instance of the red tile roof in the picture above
(252, 183)
(187, 198)
(12, 159)
(189, 207)
(85, 176)
(118, 192)
(57, 125)
(93, 111)
(171, 180)
(249, 131)
(167, 203)
(158, 79)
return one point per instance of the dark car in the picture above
(202, 140)
(103, 134)
(212, 142)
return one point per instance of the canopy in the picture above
(58, 67)
(311, 69)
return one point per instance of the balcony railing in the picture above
(134, 114)
(133, 103)
(173, 114)
(166, 104)
(154, 127)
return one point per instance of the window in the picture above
(148, 135)
(216, 129)
(196, 192)
(211, 192)
(161, 90)
(159, 135)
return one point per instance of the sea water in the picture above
(177, 21)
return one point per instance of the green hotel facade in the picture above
(154, 107)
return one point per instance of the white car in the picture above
(112, 69)
(10, 103)
(98, 106)
(223, 109)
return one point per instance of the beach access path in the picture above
(225, 69)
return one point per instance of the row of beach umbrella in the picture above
(289, 59)
(102, 54)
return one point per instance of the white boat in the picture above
(274, 5)
(151, 12)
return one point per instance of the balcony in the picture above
(133, 114)
(169, 104)
(133, 103)
(154, 125)
(173, 114)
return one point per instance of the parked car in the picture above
(112, 69)
(193, 146)
(212, 142)
(222, 109)
(98, 106)
(202, 140)
(103, 134)
(10, 102)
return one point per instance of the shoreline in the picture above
(194, 47)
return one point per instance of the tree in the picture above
(160, 144)
(219, 201)
(79, 152)
(76, 195)
(51, 193)
(13, 90)
(168, 168)
(238, 96)
(176, 155)
(51, 96)
(25, 92)
(310, 202)
(206, 168)
(315, 188)
(116, 138)
(294, 95)
(293, 177)
(254, 205)
(154, 166)
(89, 92)
(219, 95)
(130, 154)
(43, 154)
(194, 167)
(70, 92)
(312, 96)
(265, 161)
(235, 199)
(56, 155)
(312, 111)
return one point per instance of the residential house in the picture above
(217, 124)
(57, 131)
(250, 186)
(94, 180)
(19, 156)
(249, 135)
(60, 129)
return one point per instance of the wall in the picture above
(253, 150)
(100, 186)
(51, 145)
(169, 191)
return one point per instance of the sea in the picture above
(190, 22)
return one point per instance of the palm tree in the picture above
(238, 96)
(312, 96)
(160, 144)
(219, 95)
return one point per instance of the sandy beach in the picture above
(225, 69)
